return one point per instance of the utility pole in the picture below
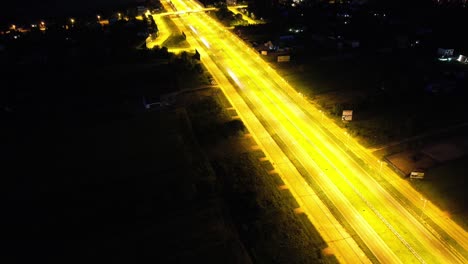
(424, 206)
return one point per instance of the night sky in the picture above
(26, 10)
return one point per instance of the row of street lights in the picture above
(72, 21)
(380, 172)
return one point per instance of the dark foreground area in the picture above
(91, 175)
(80, 162)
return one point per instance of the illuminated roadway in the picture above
(372, 207)
(164, 32)
(235, 10)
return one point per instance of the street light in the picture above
(98, 17)
(381, 163)
(424, 206)
(42, 26)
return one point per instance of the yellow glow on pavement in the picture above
(205, 42)
(343, 169)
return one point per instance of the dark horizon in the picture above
(28, 10)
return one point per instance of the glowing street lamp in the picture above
(42, 26)
(424, 206)
(98, 17)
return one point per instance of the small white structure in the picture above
(462, 59)
(417, 175)
(269, 45)
(347, 115)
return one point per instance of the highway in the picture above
(164, 32)
(362, 209)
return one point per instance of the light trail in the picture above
(205, 42)
(343, 201)
(340, 243)
(193, 29)
(324, 144)
(234, 77)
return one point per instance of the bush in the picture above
(233, 127)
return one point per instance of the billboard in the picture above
(445, 52)
(417, 175)
(284, 58)
(347, 115)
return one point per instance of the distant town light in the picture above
(42, 26)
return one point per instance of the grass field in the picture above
(263, 214)
(94, 176)
(176, 41)
(445, 185)
(381, 116)
(171, 25)
(381, 89)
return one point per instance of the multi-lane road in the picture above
(362, 209)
